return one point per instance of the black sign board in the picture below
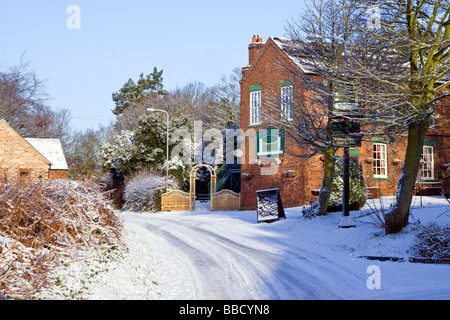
(338, 127)
(269, 206)
(347, 140)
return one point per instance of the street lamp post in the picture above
(167, 142)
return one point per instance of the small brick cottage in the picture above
(34, 158)
(298, 179)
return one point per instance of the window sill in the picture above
(255, 125)
(381, 179)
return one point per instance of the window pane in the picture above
(286, 101)
(255, 107)
(427, 163)
(380, 163)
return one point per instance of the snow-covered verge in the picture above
(228, 255)
(45, 222)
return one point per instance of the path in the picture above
(212, 257)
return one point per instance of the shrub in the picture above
(143, 191)
(42, 220)
(358, 192)
(433, 241)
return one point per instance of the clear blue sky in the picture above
(117, 40)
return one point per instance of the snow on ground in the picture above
(228, 255)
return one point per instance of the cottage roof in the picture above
(52, 150)
(294, 50)
(297, 52)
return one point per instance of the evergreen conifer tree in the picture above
(358, 192)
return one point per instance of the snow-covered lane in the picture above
(231, 258)
(227, 255)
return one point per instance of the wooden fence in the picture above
(176, 200)
(226, 200)
(223, 200)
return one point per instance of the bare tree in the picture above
(416, 33)
(227, 93)
(24, 104)
(194, 100)
(396, 62)
(319, 67)
(82, 153)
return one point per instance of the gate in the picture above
(226, 200)
(178, 200)
(175, 200)
(212, 186)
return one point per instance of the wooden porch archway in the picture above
(192, 178)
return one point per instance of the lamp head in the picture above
(314, 37)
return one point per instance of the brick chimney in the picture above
(254, 48)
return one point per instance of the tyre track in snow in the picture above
(221, 266)
(299, 275)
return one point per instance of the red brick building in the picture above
(298, 178)
(34, 158)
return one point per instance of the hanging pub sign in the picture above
(347, 140)
(338, 127)
(269, 206)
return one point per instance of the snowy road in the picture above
(205, 255)
(209, 257)
(223, 265)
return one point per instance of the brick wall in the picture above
(441, 135)
(265, 70)
(292, 189)
(18, 157)
(58, 174)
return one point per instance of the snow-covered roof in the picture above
(295, 50)
(52, 150)
(300, 54)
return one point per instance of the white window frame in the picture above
(273, 148)
(427, 169)
(287, 94)
(380, 162)
(255, 107)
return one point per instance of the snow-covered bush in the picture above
(131, 151)
(143, 191)
(43, 220)
(433, 241)
(357, 186)
(119, 153)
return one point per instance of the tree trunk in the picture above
(321, 205)
(398, 216)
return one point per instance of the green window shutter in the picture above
(430, 143)
(282, 142)
(257, 143)
(255, 88)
